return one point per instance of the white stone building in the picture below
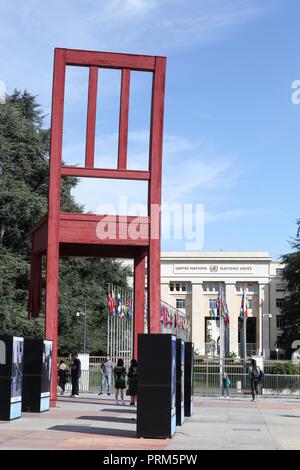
(189, 280)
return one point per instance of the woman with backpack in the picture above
(255, 377)
(120, 375)
(63, 376)
(225, 384)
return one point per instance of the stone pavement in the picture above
(93, 423)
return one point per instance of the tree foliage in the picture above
(24, 165)
(291, 307)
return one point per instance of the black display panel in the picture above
(11, 377)
(188, 378)
(37, 375)
(180, 356)
(156, 408)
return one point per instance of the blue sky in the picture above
(231, 130)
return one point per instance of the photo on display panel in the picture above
(173, 377)
(46, 366)
(17, 368)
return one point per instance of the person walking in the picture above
(255, 377)
(120, 375)
(133, 381)
(107, 369)
(63, 376)
(75, 375)
(225, 385)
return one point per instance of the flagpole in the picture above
(221, 335)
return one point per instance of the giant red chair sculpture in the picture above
(68, 234)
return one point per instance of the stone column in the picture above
(262, 332)
(264, 311)
(198, 318)
(233, 312)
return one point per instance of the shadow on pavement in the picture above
(89, 401)
(109, 419)
(91, 430)
(119, 410)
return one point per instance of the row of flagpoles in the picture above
(218, 308)
(172, 318)
(120, 304)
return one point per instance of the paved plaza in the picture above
(90, 423)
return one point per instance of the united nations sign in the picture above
(213, 268)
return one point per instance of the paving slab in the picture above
(94, 423)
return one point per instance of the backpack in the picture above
(261, 376)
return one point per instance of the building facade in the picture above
(192, 281)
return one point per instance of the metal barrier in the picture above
(208, 384)
(207, 378)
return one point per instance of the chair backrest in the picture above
(126, 63)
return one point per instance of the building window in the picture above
(279, 272)
(250, 303)
(280, 287)
(279, 303)
(180, 303)
(240, 287)
(252, 288)
(211, 286)
(180, 287)
(279, 321)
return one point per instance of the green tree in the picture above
(291, 307)
(24, 164)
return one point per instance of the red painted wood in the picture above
(79, 231)
(105, 173)
(53, 211)
(100, 251)
(91, 118)
(39, 239)
(154, 200)
(123, 124)
(97, 217)
(75, 234)
(110, 60)
(139, 300)
(41, 222)
(35, 286)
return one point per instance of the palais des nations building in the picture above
(189, 280)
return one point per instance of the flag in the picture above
(213, 309)
(119, 304)
(226, 313)
(129, 306)
(110, 302)
(244, 306)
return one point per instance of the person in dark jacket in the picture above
(120, 375)
(75, 375)
(255, 377)
(133, 381)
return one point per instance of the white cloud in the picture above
(30, 30)
(191, 172)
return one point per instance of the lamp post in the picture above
(85, 326)
(269, 315)
(277, 350)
